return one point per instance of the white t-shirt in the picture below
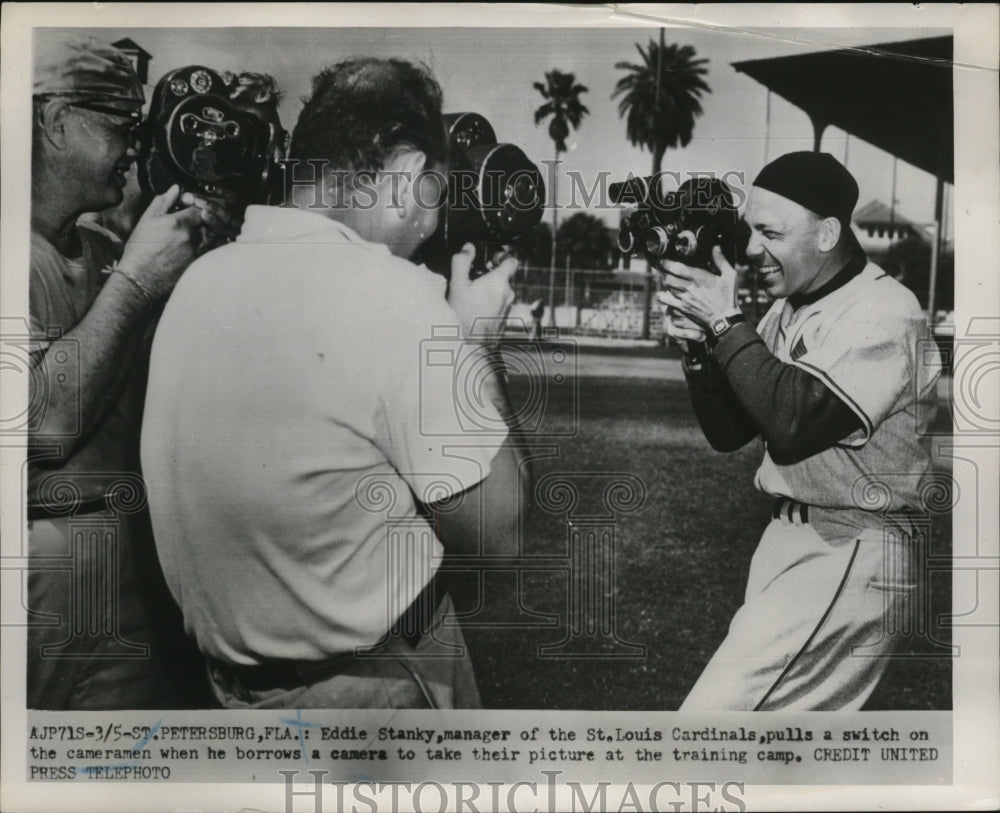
(868, 341)
(291, 409)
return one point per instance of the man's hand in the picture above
(482, 305)
(698, 293)
(680, 328)
(219, 224)
(164, 243)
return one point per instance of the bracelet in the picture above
(147, 295)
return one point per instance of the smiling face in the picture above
(102, 152)
(785, 244)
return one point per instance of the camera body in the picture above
(196, 137)
(683, 225)
(495, 194)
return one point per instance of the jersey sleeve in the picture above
(769, 325)
(866, 363)
(436, 424)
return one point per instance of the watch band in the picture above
(719, 327)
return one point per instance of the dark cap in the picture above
(815, 180)
(82, 68)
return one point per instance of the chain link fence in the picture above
(612, 304)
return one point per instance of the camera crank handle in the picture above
(488, 257)
(480, 260)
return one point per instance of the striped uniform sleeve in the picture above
(796, 413)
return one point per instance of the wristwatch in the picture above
(720, 326)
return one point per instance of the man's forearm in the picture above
(485, 519)
(724, 422)
(797, 414)
(496, 391)
(105, 343)
(496, 387)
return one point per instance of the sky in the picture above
(491, 71)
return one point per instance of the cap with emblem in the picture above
(814, 180)
(82, 69)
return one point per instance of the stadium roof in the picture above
(897, 96)
(875, 217)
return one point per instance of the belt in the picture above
(68, 509)
(789, 511)
(411, 626)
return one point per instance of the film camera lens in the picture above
(684, 225)
(495, 194)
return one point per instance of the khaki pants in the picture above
(90, 640)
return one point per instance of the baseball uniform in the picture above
(833, 578)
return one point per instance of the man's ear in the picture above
(828, 234)
(52, 120)
(402, 174)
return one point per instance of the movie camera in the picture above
(682, 225)
(197, 137)
(495, 194)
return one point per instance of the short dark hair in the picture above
(253, 88)
(362, 110)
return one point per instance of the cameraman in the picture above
(255, 93)
(92, 301)
(832, 382)
(294, 430)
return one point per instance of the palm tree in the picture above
(660, 97)
(660, 100)
(562, 102)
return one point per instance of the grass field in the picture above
(680, 566)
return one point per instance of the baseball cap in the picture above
(814, 180)
(81, 68)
